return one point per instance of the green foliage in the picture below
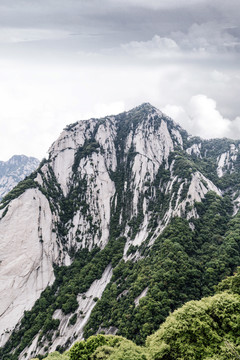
(73, 319)
(107, 347)
(125, 350)
(200, 330)
(230, 284)
(183, 167)
(84, 349)
(56, 356)
(207, 329)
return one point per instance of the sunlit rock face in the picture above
(28, 251)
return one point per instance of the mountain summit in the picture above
(85, 239)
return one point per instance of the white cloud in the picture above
(206, 119)
(37, 102)
(206, 37)
(202, 118)
(219, 76)
(39, 97)
(201, 41)
(47, 84)
(152, 49)
(179, 115)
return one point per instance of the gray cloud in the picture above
(116, 21)
(63, 60)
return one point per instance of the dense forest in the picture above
(207, 329)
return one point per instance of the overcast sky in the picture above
(66, 60)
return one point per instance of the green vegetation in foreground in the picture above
(56, 356)
(208, 329)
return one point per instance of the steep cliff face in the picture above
(15, 170)
(28, 252)
(119, 177)
(101, 170)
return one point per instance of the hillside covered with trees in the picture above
(207, 329)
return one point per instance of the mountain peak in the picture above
(145, 107)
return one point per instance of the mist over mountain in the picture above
(128, 218)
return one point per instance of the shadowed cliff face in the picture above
(119, 176)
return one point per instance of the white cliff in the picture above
(194, 149)
(28, 250)
(225, 162)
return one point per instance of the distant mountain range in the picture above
(15, 170)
